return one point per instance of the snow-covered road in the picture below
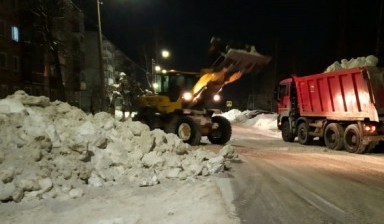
(279, 182)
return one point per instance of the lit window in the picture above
(15, 33)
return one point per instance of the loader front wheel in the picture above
(221, 130)
(188, 131)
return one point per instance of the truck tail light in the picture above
(369, 128)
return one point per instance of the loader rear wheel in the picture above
(188, 131)
(333, 136)
(286, 132)
(221, 130)
(147, 116)
(352, 139)
(302, 134)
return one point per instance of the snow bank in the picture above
(259, 119)
(353, 63)
(235, 115)
(263, 122)
(54, 150)
(232, 115)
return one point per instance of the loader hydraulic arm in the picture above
(234, 65)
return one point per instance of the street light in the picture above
(165, 54)
(101, 63)
(156, 68)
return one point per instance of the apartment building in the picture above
(10, 47)
(28, 63)
(25, 59)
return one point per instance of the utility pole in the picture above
(101, 62)
(379, 44)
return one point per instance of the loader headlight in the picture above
(187, 96)
(216, 98)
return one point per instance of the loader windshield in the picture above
(168, 83)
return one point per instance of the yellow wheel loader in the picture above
(182, 101)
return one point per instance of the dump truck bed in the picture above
(350, 94)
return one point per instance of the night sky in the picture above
(301, 36)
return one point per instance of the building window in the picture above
(2, 28)
(16, 63)
(14, 4)
(15, 33)
(3, 60)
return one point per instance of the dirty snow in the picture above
(370, 60)
(264, 123)
(60, 165)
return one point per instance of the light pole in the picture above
(101, 63)
(156, 68)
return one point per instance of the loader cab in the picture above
(174, 83)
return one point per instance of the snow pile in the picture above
(257, 118)
(53, 150)
(255, 121)
(235, 115)
(353, 63)
(263, 122)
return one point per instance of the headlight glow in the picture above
(187, 96)
(216, 98)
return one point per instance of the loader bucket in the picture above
(244, 62)
(232, 66)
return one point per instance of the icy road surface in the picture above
(279, 182)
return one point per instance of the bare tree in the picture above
(44, 17)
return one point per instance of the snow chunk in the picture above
(370, 60)
(8, 106)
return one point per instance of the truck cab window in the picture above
(281, 92)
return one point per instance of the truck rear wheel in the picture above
(333, 136)
(221, 130)
(188, 131)
(302, 134)
(286, 132)
(352, 139)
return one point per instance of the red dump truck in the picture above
(344, 109)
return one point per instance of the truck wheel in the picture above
(352, 139)
(286, 132)
(333, 136)
(221, 130)
(302, 134)
(188, 131)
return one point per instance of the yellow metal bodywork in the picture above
(236, 63)
(161, 103)
(220, 78)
